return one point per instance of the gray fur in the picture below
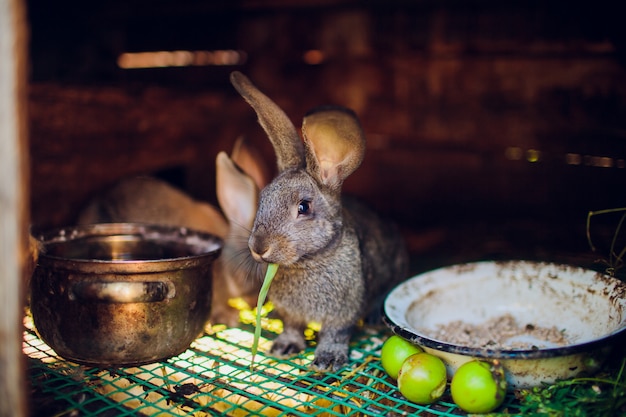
(333, 260)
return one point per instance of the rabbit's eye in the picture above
(304, 207)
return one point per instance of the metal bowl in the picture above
(589, 308)
(122, 294)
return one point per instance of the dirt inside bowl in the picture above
(503, 332)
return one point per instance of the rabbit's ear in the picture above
(334, 144)
(237, 193)
(280, 130)
(250, 160)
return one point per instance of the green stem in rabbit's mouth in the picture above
(269, 276)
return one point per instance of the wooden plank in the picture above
(13, 204)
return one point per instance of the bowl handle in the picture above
(122, 292)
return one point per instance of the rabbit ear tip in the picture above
(237, 76)
(221, 155)
(331, 108)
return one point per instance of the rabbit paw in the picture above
(333, 357)
(287, 344)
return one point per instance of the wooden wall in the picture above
(13, 205)
(494, 123)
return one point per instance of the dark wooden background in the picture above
(493, 127)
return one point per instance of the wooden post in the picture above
(14, 207)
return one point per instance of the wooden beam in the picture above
(13, 204)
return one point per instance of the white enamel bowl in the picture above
(590, 307)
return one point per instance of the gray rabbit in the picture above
(335, 256)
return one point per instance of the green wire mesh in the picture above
(214, 377)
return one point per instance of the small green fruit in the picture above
(479, 386)
(422, 378)
(394, 352)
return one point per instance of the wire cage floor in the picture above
(214, 376)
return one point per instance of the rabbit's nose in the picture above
(261, 257)
(260, 252)
(256, 256)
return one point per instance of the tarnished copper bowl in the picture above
(122, 294)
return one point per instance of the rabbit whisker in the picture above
(241, 227)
